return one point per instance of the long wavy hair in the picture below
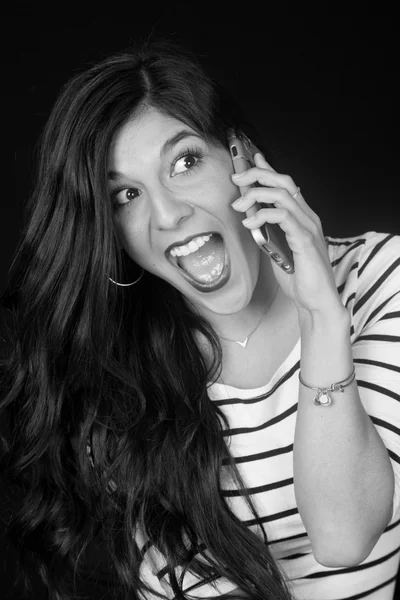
(90, 365)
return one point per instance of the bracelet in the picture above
(323, 398)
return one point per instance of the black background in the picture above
(321, 84)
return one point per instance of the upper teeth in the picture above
(192, 246)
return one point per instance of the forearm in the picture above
(343, 478)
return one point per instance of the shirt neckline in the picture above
(282, 367)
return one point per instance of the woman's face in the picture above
(171, 187)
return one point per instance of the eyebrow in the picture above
(166, 147)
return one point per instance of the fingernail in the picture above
(237, 202)
(248, 220)
(237, 175)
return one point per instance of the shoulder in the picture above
(367, 273)
(365, 263)
(370, 249)
(379, 254)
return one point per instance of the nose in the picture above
(168, 209)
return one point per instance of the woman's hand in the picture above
(312, 286)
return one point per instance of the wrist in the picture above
(336, 320)
(326, 352)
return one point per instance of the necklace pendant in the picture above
(243, 344)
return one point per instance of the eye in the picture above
(131, 194)
(186, 162)
(124, 196)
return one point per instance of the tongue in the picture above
(206, 264)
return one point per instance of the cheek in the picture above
(219, 193)
(131, 237)
(222, 180)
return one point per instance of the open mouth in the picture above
(206, 268)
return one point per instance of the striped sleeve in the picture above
(154, 573)
(376, 346)
(154, 570)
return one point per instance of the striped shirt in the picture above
(261, 434)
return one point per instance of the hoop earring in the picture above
(128, 284)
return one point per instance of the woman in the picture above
(153, 382)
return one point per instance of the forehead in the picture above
(144, 137)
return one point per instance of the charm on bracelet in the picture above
(322, 398)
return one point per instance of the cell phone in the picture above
(270, 237)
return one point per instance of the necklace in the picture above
(244, 343)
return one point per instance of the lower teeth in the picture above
(215, 273)
(207, 263)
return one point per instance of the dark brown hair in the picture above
(118, 367)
